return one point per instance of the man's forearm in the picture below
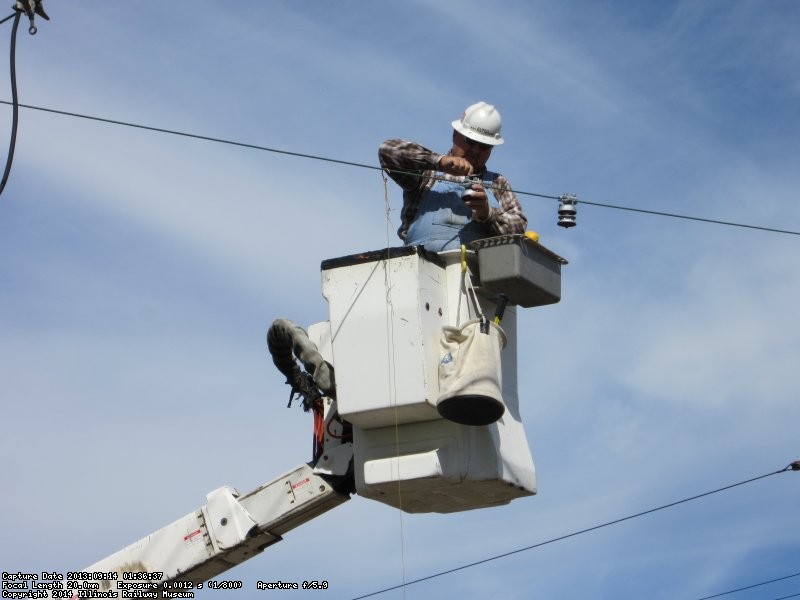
(405, 161)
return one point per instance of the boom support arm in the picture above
(229, 529)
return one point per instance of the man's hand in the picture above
(455, 165)
(478, 201)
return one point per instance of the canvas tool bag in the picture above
(470, 373)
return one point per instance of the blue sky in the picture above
(140, 272)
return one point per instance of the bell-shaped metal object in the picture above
(567, 210)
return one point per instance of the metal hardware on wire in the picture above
(31, 8)
(567, 210)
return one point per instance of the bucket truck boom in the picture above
(379, 427)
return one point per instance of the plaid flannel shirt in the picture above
(413, 168)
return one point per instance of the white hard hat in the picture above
(480, 122)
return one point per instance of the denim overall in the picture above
(443, 220)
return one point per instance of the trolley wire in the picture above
(377, 168)
(195, 136)
(794, 466)
(749, 587)
(690, 218)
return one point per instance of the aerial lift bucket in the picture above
(434, 410)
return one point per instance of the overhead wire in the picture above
(749, 587)
(377, 168)
(677, 216)
(794, 466)
(194, 136)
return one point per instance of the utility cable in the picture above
(15, 101)
(795, 466)
(677, 216)
(377, 168)
(749, 587)
(195, 136)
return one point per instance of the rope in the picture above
(469, 289)
(391, 358)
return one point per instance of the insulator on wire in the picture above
(567, 210)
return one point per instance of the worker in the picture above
(443, 211)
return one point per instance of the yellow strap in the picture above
(463, 258)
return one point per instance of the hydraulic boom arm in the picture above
(229, 529)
